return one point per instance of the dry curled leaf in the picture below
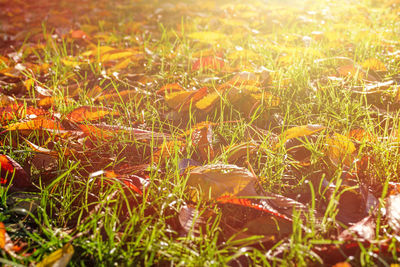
(216, 180)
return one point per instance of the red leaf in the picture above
(10, 169)
(247, 217)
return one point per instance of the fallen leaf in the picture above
(216, 180)
(59, 258)
(202, 139)
(183, 100)
(3, 236)
(340, 149)
(88, 113)
(208, 102)
(243, 218)
(342, 264)
(35, 124)
(300, 131)
(11, 170)
(169, 88)
(373, 64)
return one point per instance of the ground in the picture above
(199, 133)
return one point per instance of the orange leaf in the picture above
(79, 34)
(2, 235)
(199, 94)
(88, 113)
(95, 132)
(342, 264)
(169, 88)
(35, 124)
(18, 111)
(46, 102)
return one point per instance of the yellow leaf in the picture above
(208, 102)
(70, 62)
(98, 50)
(373, 64)
(340, 149)
(115, 56)
(300, 131)
(35, 124)
(122, 65)
(176, 99)
(207, 36)
(59, 258)
(217, 180)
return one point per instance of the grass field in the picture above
(199, 133)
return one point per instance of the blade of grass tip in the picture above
(62, 176)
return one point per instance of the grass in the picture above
(109, 224)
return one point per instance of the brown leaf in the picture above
(247, 217)
(192, 219)
(202, 139)
(216, 180)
